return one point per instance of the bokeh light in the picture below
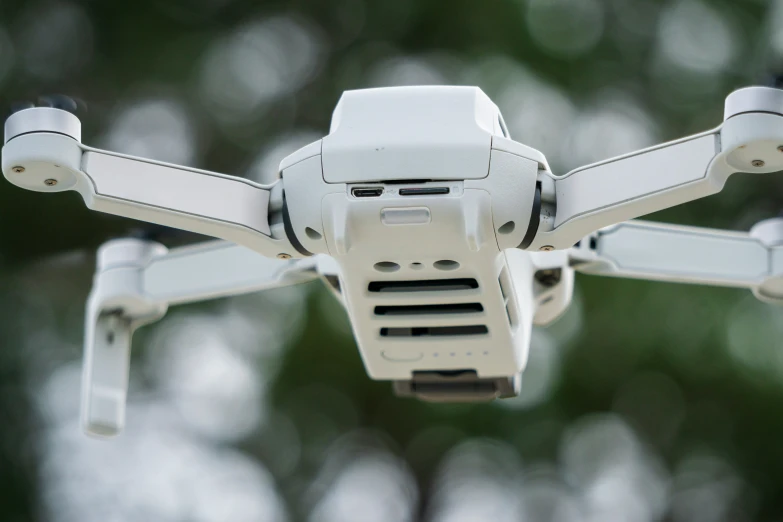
(695, 37)
(56, 41)
(565, 27)
(255, 65)
(154, 128)
(359, 483)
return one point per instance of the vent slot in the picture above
(505, 290)
(456, 308)
(431, 285)
(435, 331)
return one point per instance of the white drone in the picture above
(444, 240)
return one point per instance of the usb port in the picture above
(424, 191)
(366, 192)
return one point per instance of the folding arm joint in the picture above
(553, 285)
(770, 233)
(134, 285)
(116, 307)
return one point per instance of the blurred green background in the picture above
(645, 402)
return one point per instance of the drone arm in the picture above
(612, 191)
(134, 284)
(43, 153)
(204, 202)
(662, 252)
(219, 269)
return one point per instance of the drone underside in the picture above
(444, 240)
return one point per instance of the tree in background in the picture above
(645, 402)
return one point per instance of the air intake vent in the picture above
(456, 308)
(431, 309)
(435, 331)
(427, 285)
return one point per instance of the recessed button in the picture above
(405, 216)
(401, 355)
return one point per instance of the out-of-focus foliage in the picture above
(645, 402)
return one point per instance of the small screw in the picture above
(780, 149)
(547, 248)
(50, 182)
(283, 256)
(757, 163)
(17, 169)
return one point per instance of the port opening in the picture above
(424, 191)
(366, 192)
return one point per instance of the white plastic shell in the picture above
(450, 195)
(753, 99)
(42, 119)
(447, 135)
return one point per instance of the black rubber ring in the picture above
(535, 219)
(289, 231)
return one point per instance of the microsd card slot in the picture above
(427, 285)
(424, 191)
(435, 331)
(455, 308)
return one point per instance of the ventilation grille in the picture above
(455, 308)
(435, 331)
(467, 310)
(426, 285)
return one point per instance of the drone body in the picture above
(416, 194)
(444, 239)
